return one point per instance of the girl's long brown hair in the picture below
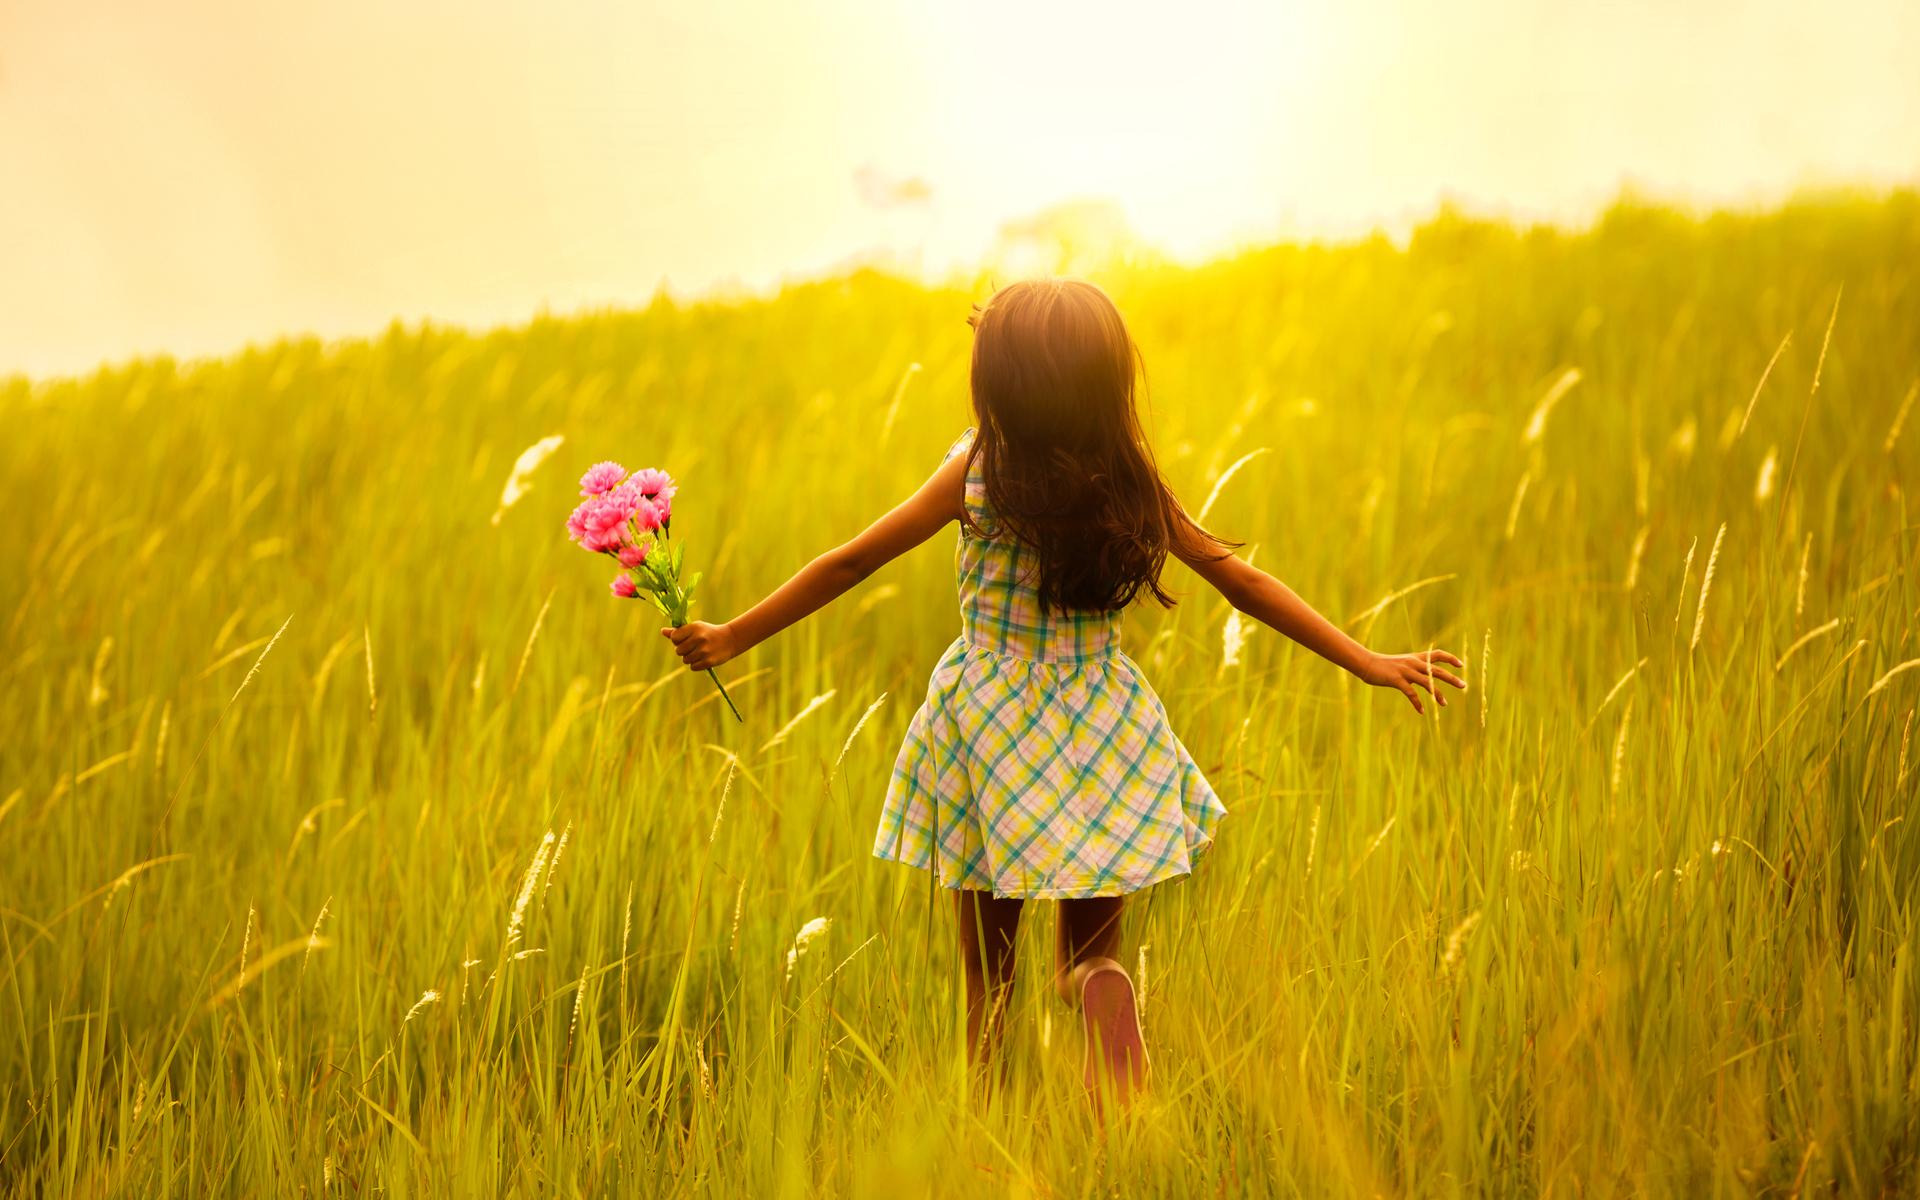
(1067, 469)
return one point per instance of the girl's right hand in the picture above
(702, 646)
(1414, 674)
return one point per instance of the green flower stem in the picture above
(724, 696)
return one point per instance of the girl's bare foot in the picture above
(1116, 1049)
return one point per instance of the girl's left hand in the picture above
(702, 646)
(1413, 674)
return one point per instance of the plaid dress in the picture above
(1041, 764)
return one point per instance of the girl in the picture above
(1041, 764)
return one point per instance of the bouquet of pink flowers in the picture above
(630, 517)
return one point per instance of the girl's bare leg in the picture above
(988, 925)
(1088, 976)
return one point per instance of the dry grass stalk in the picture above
(579, 997)
(255, 669)
(276, 955)
(739, 901)
(239, 651)
(1706, 587)
(1884, 680)
(1373, 845)
(1804, 638)
(1313, 840)
(1793, 465)
(1763, 383)
(160, 738)
(1140, 984)
(720, 810)
(527, 651)
(857, 727)
(126, 877)
(97, 693)
(373, 697)
(1620, 747)
(798, 717)
(1686, 573)
(326, 667)
(246, 939)
(1631, 672)
(1800, 592)
(1906, 733)
(1537, 423)
(1634, 556)
(1900, 418)
(313, 939)
(893, 409)
(1403, 593)
(1519, 498)
(1486, 655)
(1221, 482)
(626, 932)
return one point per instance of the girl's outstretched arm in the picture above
(702, 646)
(1265, 598)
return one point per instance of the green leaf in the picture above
(692, 584)
(678, 553)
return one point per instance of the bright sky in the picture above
(189, 175)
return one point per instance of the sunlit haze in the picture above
(189, 176)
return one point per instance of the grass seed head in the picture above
(1769, 467)
(1686, 574)
(1233, 638)
(97, 694)
(518, 483)
(553, 867)
(1634, 556)
(857, 727)
(246, 939)
(808, 932)
(798, 717)
(430, 996)
(1537, 424)
(1800, 590)
(527, 884)
(1457, 940)
(1620, 747)
(1706, 587)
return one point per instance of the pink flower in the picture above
(577, 522)
(649, 515)
(657, 486)
(633, 554)
(622, 586)
(601, 477)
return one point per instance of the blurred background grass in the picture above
(1592, 928)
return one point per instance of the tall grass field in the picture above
(355, 843)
